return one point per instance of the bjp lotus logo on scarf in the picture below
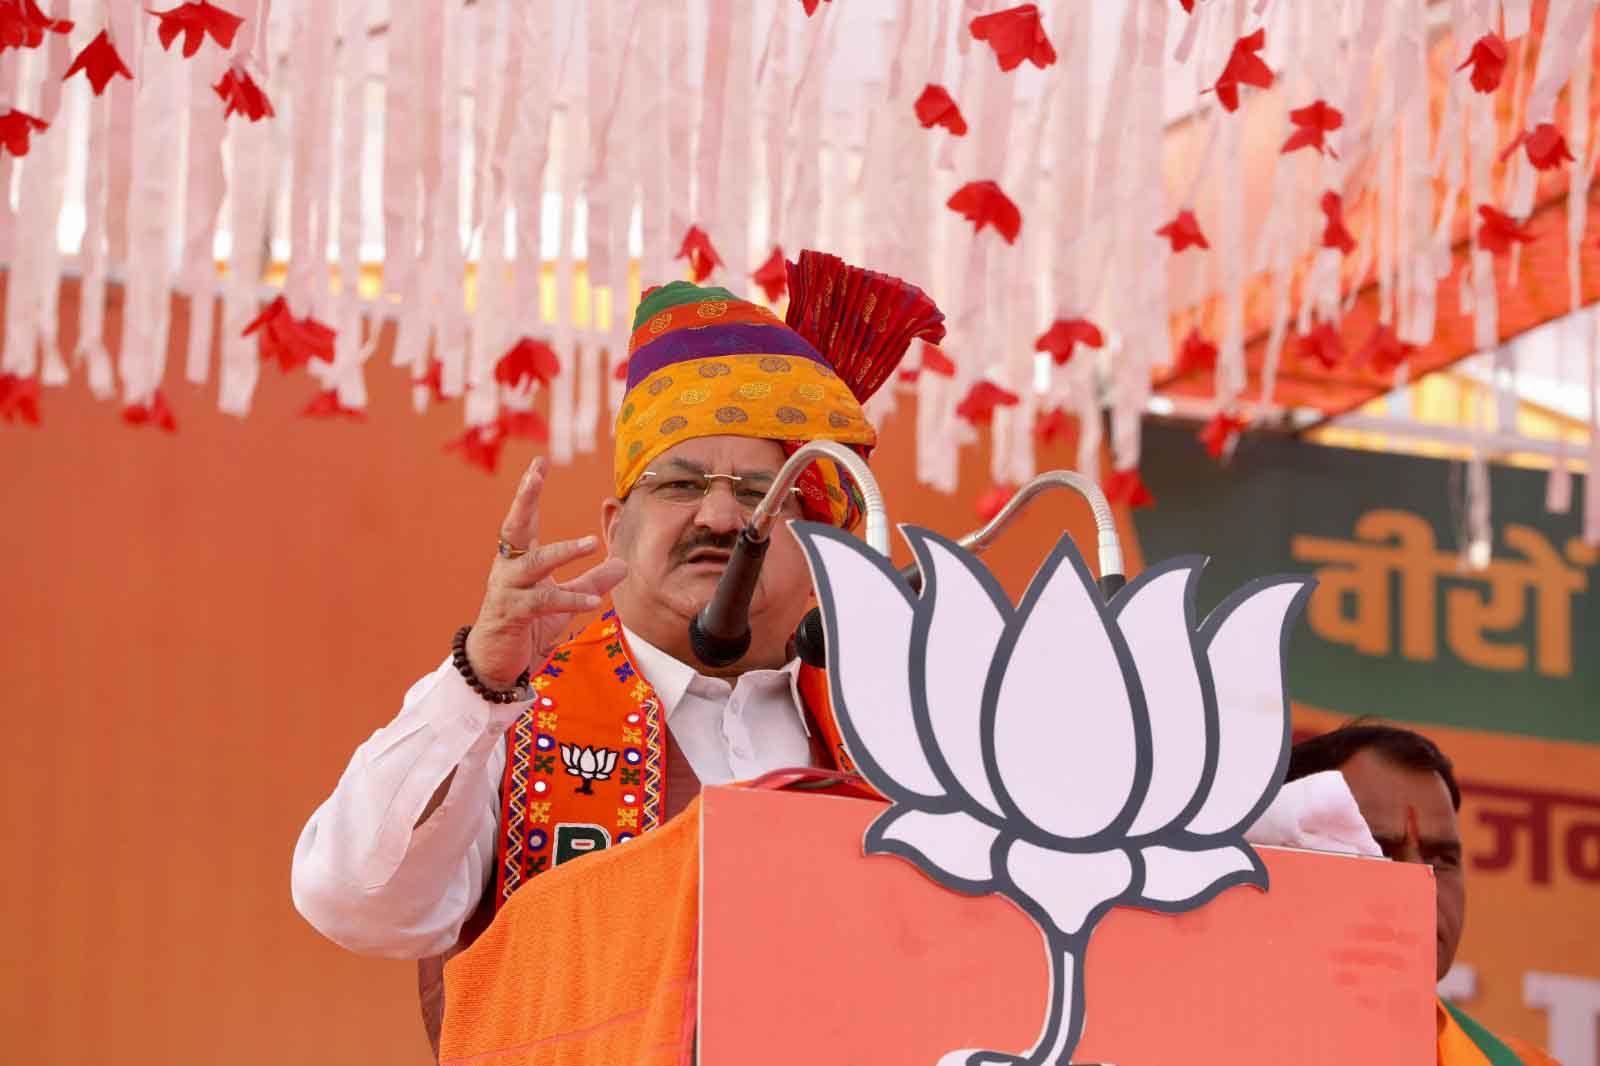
(1068, 754)
(591, 764)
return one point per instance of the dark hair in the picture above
(1412, 750)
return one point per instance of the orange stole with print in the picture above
(586, 765)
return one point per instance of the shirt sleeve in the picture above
(369, 878)
(1317, 813)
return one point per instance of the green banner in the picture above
(1400, 626)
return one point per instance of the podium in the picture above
(771, 939)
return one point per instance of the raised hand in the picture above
(525, 610)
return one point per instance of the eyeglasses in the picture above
(688, 490)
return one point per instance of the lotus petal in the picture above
(954, 849)
(1068, 886)
(1153, 614)
(1176, 879)
(867, 615)
(1064, 743)
(587, 762)
(1247, 635)
(965, 626)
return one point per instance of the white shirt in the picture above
(369, 878)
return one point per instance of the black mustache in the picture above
(717, 541)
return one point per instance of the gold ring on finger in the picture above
(507, 550)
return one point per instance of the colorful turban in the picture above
(702, 363)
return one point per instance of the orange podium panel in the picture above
(812, 952)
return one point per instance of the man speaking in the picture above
(525, 748)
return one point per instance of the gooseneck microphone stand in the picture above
(720, 633)
(808, 638)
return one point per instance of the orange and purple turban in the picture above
(702, 363)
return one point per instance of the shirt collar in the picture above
(671, 677)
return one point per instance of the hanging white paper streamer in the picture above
(198, 274)
(350, 352)
(805, 189)
(34, 277)
(402, 151)
(11, 62)
(622, 184)
(248, 145)
(565, 432)
(1558, 489)
(160, 107)
(653, 124)
(487, 334)
(91, 349)
(1146, 311)
(530, 118)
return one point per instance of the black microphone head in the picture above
(717, 651)
(810, 642)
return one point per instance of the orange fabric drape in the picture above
(593, 962)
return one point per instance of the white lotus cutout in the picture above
(1068, 754)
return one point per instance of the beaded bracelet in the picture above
(458, 655)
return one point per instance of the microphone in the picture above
(808, 637)
(719, 635)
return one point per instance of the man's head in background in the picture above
(1406, 789)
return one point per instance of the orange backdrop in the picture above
(200, 628)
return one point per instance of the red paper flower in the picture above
(1015, 34)
(100, 63)
(1051, 424)
(526, 424)
(773, 276)
(982, 203)
(1197, 353)
(1221, 433)
(1383, 351)
(1334, 234)
(16, 127)
(23, 25)
(1324, 345)
(194, 20)
(1184, 232)
(527, 360)
(934, 361)
(1244, 67)
(155, 413)
(480, 445)
(982, 398)
(1546, 147)
(1488, 62)
(290, 341)
(1066, 332)
(935, 108)
(242, 96)
(432, 379)
(1187, 5)
(703, 258)
(993, 502)
(1127, 488)
(811, 6)
(1314, 122)
(1499, 231)
(326, 405)
(19, 398)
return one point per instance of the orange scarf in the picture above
(593, 964)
